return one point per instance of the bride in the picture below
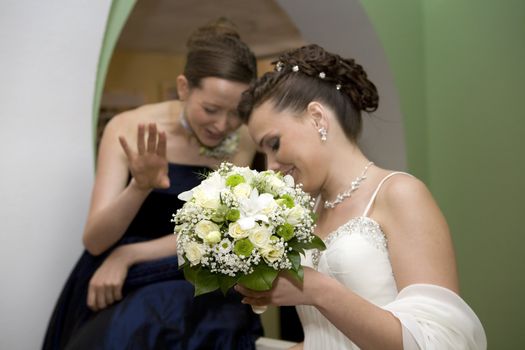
(388, 278)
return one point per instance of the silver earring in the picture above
(323, 133)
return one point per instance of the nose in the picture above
(272, 163)
(221, 124)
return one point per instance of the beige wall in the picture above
(142, 73)
(148, 76)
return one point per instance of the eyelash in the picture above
(209, 111)
(274, 144)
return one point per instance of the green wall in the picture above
(460, 70)
(118, 14)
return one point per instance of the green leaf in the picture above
(203, 280)
(226, 282)
(297, 274)
(189, 273)
(295, 259)
(261, 279)
(316, 243)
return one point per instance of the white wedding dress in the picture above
(432, 317)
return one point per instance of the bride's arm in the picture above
(420, 250)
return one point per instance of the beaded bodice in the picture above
(363, 225)
(356, 255)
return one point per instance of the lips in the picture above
(214, 136)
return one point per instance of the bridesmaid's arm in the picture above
(298, 346)
(114, 201)
(105, 287)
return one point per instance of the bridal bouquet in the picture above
(243, 226)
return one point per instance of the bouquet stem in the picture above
(259, 309)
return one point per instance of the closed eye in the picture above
(274, 143)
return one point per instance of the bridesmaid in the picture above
(126, 291)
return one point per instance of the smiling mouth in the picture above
(214, 136)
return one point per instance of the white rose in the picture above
(207, 194)
(288, 180)
(194, 252)
(236, 232)
(274, 183)
(259, 236)
(294, 215)
(204, 227)
(206, 199)
(242, 190)
(247, 173)
(271, 254)
(213, 237)
(266, 203)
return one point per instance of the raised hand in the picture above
(148, 166)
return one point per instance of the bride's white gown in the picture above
(432, 317)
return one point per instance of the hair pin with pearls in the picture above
(279, 66)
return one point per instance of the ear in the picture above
(183, 87)
(317, 114)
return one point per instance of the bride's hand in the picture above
(148, 166)
(286, 291)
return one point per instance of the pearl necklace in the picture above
(348, 193)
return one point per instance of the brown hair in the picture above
(216, 50)
(310, 74)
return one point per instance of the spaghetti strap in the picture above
(372, 199)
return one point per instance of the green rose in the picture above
(233, 215)
(286, 200)
(285, 231)
(234, 180)
(243, 247)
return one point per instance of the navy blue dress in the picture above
(158, 310)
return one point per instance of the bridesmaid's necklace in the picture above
(341, 196)
(225, 149)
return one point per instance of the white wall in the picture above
(48, 59)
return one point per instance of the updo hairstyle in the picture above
(216, 50)
(311, 74)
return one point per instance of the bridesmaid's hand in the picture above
(148, 166)
(105, 287)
